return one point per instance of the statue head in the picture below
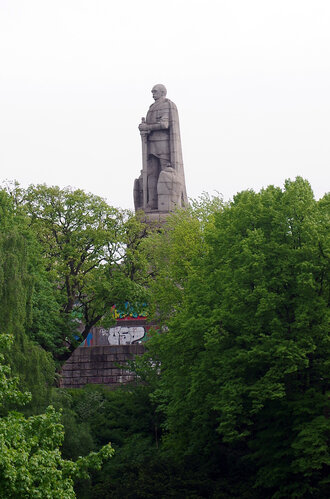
(158, 91)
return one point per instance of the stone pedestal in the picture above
(100, 365)
(154, 218)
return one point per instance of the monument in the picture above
(161, 185)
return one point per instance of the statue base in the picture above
(154, 218)
(170, 195)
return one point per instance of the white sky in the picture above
(250, 78)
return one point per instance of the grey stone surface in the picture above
(160, 187)
(100, 364)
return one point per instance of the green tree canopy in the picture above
(244, 362)
(89, 260)
(18, 271)
(31, 465)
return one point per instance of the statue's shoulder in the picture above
(161, 104)
(171, 104)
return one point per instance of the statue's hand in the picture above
(143, 127)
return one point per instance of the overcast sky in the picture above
(250, 78)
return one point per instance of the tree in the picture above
(15, 283)
(244, 362)
(31, 465)
(90, 257)
(171, 252)
(30, 460)
(18, 256)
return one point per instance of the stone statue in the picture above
(161, 185)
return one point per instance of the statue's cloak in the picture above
(175, 147)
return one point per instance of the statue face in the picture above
(157, 93)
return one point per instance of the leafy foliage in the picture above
(232, 393)
(17, 274)
(244, 362)
(30, 460)
(85, 259)
(172, 250)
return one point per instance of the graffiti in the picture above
(116, 335)
(130, 327)
(89, 340)
(123, 335)
(129, 312)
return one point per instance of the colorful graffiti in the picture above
(117, 335)
(89, 340)
(126, 331)
(128, 312)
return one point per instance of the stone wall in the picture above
(99, 365)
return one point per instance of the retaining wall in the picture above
(99, 365)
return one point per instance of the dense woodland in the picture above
(230, 397)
